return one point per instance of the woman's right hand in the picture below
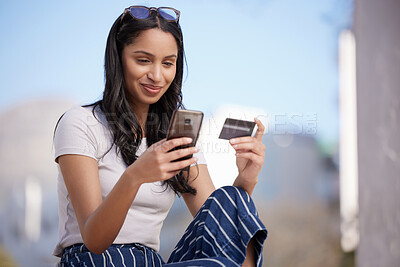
(155, 163)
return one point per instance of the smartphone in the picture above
(185, 123)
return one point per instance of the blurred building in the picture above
(28, 176)
(349, 210)
(377, 39)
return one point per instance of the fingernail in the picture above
(188, 139)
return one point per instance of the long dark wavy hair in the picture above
(123, 123)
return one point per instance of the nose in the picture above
(155, 73)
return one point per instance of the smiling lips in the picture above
(151, 88)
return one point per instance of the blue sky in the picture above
(280, 56)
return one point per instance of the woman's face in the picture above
(149, 66)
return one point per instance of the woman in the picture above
(117, 180)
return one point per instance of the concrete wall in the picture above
(377, 33)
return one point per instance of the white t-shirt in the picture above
(79, 132)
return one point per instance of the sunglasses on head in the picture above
(143, 12)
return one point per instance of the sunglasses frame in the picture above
(150, 9)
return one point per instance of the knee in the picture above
(233, 192)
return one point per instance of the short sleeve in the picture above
(74, 134)
(199, 155)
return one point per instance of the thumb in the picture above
(260, 129)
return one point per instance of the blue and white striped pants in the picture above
(217, 236)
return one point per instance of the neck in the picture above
(141, 112)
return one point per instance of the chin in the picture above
(151, 100)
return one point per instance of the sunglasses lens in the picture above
(167, 14)
(140, 12)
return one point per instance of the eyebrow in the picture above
(150, 54)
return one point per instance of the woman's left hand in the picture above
(250, 153)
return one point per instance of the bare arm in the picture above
(202, 184)
(101, 220)
(250, 154)
(249, 160)
(94, 215)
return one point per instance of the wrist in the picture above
(245, 180)
(246, 184)
(132, 177)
